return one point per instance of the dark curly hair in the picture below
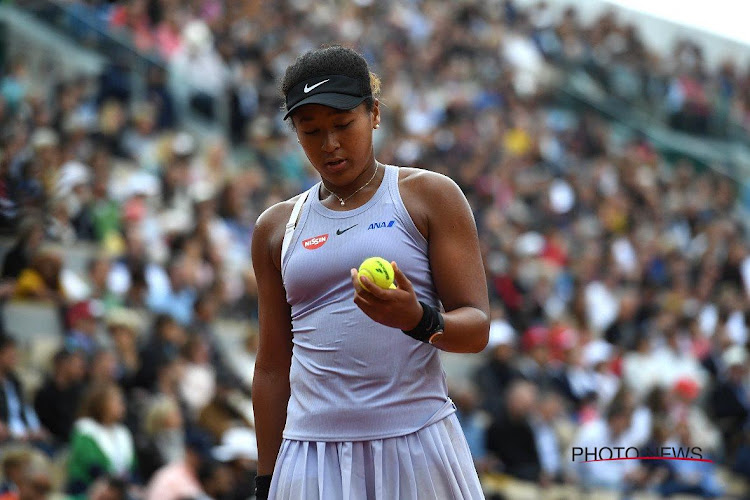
(334, 60)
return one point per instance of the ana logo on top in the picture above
(315, 241)
(380, 225)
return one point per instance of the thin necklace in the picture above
(343, 200)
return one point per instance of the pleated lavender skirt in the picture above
(432, 463)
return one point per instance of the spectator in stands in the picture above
(474, 423)
(216, 479)
(548, 424)
(35, 481)
(674, 357)
(242, 359)
(168, 32)
(168, 377)
(140, 141)
(611, 431)
(14, 461)
(98, 270)
(100, 444)
(108, 488)
(577, 382)
(598, 356)
(165, 343)
(178, 298)
(179, 479)
(18, 420)
(198, 384)
(30, 237)
(199, 74)
(684, 409)
(730, 399)
(123, 326)
(640, 366)
(102, 367)
(205, 312)
(499, 370)
(132, 18)
(58, 400)
(41, 280)
(510, 438)
(226, 410)
(73, 191)
(163, 439)
(83, 324)
(690, 477)
(534, 365)
(239, 450)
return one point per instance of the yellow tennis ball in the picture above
(378, 270)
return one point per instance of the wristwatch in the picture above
(438, 330)
(430, 327)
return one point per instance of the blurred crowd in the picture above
(619, 280)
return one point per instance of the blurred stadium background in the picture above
(605, 153)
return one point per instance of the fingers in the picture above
(365, 287)
(364, 304)
(375, 290)
(355, 281)
(400, 278)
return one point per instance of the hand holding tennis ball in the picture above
(388, 297)
(378, 270)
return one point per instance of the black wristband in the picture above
(431, 322)
(262, 487)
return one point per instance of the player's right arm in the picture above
(270, 390)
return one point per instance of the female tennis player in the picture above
(349, 395)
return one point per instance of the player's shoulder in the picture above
(427, 184)
(273, 219)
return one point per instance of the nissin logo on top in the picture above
(379, 225)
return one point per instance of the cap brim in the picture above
(337, 101)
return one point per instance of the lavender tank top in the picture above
(351, 378)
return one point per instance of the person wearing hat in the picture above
(345, 367)
(239, 449)
(499, 370)
(82, 319)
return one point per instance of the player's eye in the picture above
(344, 125)
(311, 132)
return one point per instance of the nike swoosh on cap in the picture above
(308, 89)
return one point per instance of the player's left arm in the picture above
(456, 262)
(442, 215)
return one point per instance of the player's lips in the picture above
(336, 164)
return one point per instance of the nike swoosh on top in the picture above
(308, 89)
(339, 232)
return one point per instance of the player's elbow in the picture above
(482, 334)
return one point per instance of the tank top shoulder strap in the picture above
(296, 222)
(391, 177)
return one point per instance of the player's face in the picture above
(338, 143)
